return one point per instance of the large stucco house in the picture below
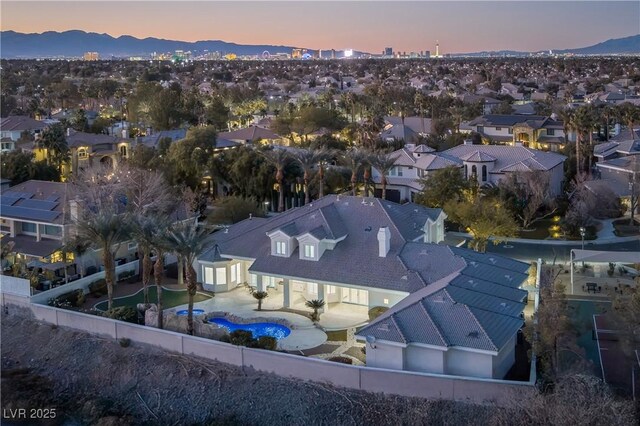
(533, 131)
(13, 127)
(488, 164)
(367, 252)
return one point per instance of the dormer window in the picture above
(309, 251)
(82, 153)
(281, 248)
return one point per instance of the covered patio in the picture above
(600, 280)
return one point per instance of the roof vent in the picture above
(404, 277)
(473, 283)
(473, 334)
(503, 305)
(367, 229)
(508, 277)
(364, 201)
(438, 299)
(383, 326)
(492, 260)
(424, 252)
(371, 203)
(346, 203)
(474, 264)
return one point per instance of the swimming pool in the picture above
(257, 329)
(185, 312)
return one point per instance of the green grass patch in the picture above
(337, 335)
(170, 299)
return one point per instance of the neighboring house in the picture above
(91, 148)
(621, 175)
(251, 135)
(418, 125)
(399, 132)
(35, 217)
(151, 140)
(412, 164)
(12, 128)
(624, 144)
(356, 253)
(491, 163)
(533, 131)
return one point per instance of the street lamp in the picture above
(266, 207)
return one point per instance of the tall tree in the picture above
(189, 240)
(528, 195)
(278, 158)
(383, 163)
(354, 159)
(441, 186)
(53, 139)
(483, 218)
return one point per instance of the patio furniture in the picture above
(592, 287)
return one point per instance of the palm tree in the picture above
(630, 115)
(278, 158)
(582, 123)
(355, 159)
(106, 230)
(323, 157)
(189, 240)
(161, 243)
(144, 232)
(259, 296)
(383, 163)
(307, 158)
(316, 305)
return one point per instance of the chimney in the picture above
(125, 133)
(384, 241)
(468, 142)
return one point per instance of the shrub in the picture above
(376, 311)
(125, 275)
(98, 288)
(341, 359)
(264, 342)
(124, 342)
(72, 299)
(245, 338)
(122, 313)
(240, 337)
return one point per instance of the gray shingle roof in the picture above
(508, 157)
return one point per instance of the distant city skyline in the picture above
(368, 26)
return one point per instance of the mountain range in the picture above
(74, 43)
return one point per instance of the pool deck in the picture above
(304, 333)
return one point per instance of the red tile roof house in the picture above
(452, 310)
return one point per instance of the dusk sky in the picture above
(364, 25)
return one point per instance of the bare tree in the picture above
(529, 194)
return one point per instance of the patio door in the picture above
(356, 296)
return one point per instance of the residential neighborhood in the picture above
(209, 229)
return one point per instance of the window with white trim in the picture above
(132, 246)
(234, 276)
(221, 275)
(309, 251)
(281, 248)
(208, 275)
(331, 289)
(312, 288)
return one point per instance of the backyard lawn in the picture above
(170, 299)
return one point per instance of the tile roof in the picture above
(535, 121)
(509, 157)
(14, 123)
(35, 200)
(251, 134)
(76, 139)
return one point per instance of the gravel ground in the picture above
(96, 381)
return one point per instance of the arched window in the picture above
(123, 150)
(474, 171)
(82, 153)
(466, 171)
(484, 173)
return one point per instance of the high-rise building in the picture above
(296, 53)
(91, 56)
(388, 51)
(333, 53)
(427, 54)
(437, 55)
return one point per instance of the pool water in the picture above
(257, 329)
(185, 312)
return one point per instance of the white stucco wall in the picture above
(423, 359)
(505, 359)
(376, 298)
(465, 363)
(385, 356)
